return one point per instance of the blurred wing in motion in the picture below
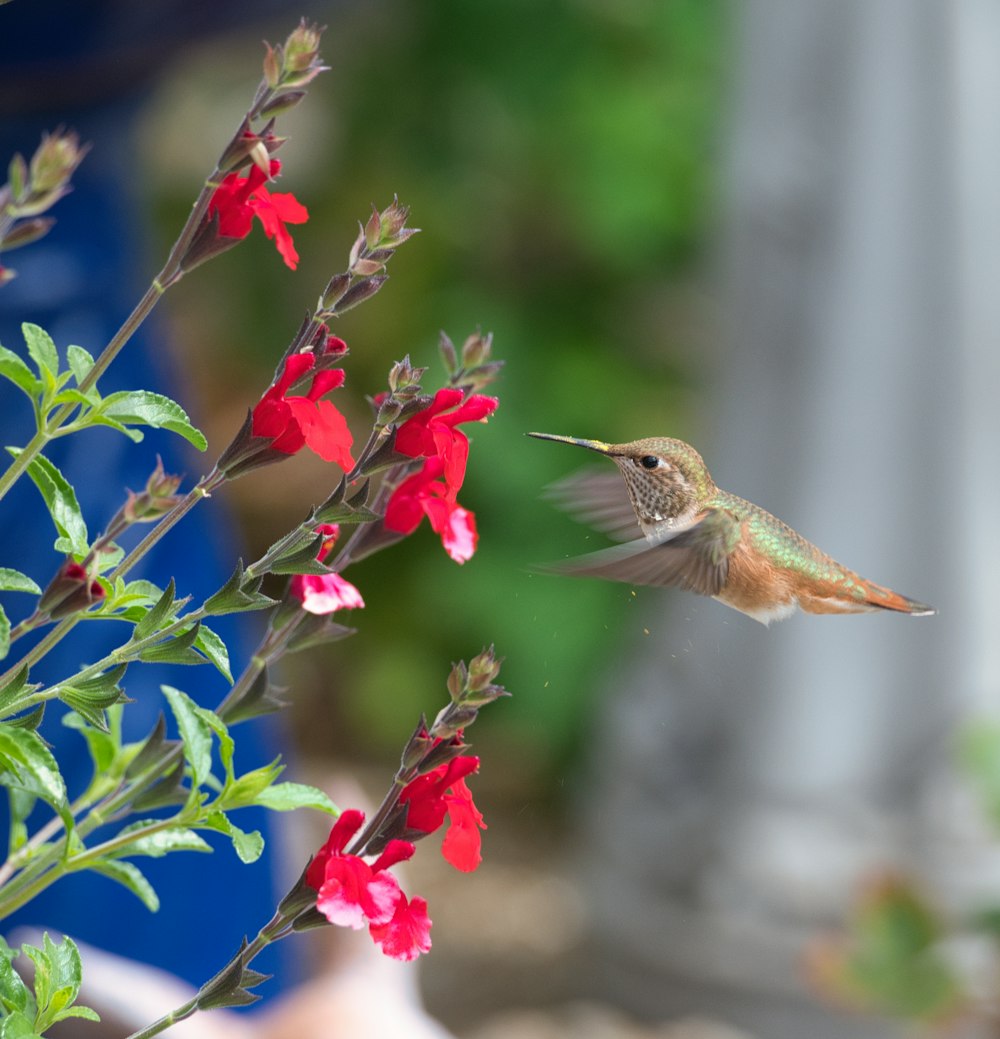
(695, 558)
(597, 497)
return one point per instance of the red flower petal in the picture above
(462, 844)
(353, 895)
(408, 933)
(346, 826)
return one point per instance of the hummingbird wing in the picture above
(695, 558)
(597, 497)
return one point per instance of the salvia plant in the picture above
(158, 795)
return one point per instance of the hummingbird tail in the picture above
(873, 597)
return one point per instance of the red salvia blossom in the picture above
(441, 792)
(352, 893)
(325, 593)
(433, 490)
(296, 422)
(241, 197)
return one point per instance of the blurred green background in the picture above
(560, 158)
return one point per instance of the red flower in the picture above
(425, 494)
(296, 422)
(408, 933)
(352, 893)
(443, 792)
(433, 490)
(432, 433)
(238, 199)
(325, 593)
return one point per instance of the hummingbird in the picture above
(706, 540)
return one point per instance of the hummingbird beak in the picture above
(594, 445)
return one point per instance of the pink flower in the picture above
(294, 422)
(441, 792)
(325, 593)
(240, 198)
(352, 893)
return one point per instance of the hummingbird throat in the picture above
(660, 499)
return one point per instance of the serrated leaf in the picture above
(16, 371)
(28, 765)
(60, 499)
(130, 876)
(286, 797)
(161, 842)
(140, 407)
(248, 846)
(80, 362)
(15, 581)
(209, 643)
(195, 733)
(42, 350)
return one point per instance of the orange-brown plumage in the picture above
(706, 540)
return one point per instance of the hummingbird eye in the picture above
(649, 461)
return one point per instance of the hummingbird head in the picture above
(666, 478)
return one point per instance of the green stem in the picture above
(167, 1021)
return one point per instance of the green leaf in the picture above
(140, 407)
(58, 975)
(14, 994)
(16, 690)
(15, 581)
(42, 350)
(18, 1026)
(4, 633)
(195, 732)
(248, 846)
(239, 593)
(15, 370)
(226, 745)
(215, 649)
(161, 842)
(286, 797)
(80, 362)
(28, 765)
(178, 649)
(247, 789)
(60, 498)
(156, 614)
(130, 876)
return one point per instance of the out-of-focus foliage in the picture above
(559, 156)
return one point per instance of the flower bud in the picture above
(72, 589)
(54, 161)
